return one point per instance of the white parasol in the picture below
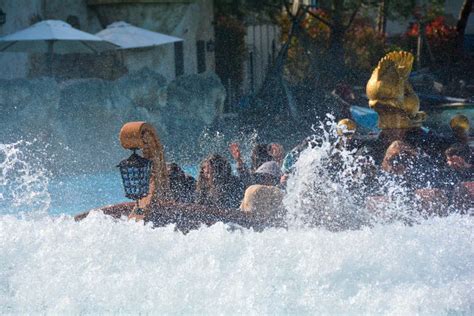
(128, 36)
(53, 36)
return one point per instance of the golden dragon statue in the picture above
(391, 95)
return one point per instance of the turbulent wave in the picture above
(52, 264)
(329, 186)
(104, 266)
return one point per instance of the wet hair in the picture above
(460, 150)
(260, 155)
(222, 190)
(213, 189)
(220, 167)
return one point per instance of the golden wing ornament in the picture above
(390, 93)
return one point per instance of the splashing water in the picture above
(103, 266)
(23, 185)
(218, 142)
(330, 183)
(314, 197)
(100, 265)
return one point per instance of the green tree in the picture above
(324, 58)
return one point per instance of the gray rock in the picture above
(79, 120)
(144, 88)
(26, 107)
(193, 103)
(86, 119)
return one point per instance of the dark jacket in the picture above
(227, 196)
(432, 144)
(183, 188)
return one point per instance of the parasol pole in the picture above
(50, 57)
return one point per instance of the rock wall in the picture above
(77, 122)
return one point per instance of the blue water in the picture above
(74, 194)
(79, 193)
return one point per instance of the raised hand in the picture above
(234, 149)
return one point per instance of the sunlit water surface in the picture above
(51, 264)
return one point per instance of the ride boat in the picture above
(399, 118)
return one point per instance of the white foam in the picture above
(101, 266)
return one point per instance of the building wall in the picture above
(262, 43)
(190, 20)
(18, 16)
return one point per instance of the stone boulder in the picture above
(26, 107)
(87, 121)
(193, 103)
(79, 120)
(144, 88)
(141, 96)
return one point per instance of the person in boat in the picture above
(216, 186)
(261, 153)
(399, 158)
(427, 141)
(265, 204)
(460, 128)
(268, 173)
(411, 167)
(414, 170)
(458, 158)
(277, 152)
(182, 185)
(416, 187)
